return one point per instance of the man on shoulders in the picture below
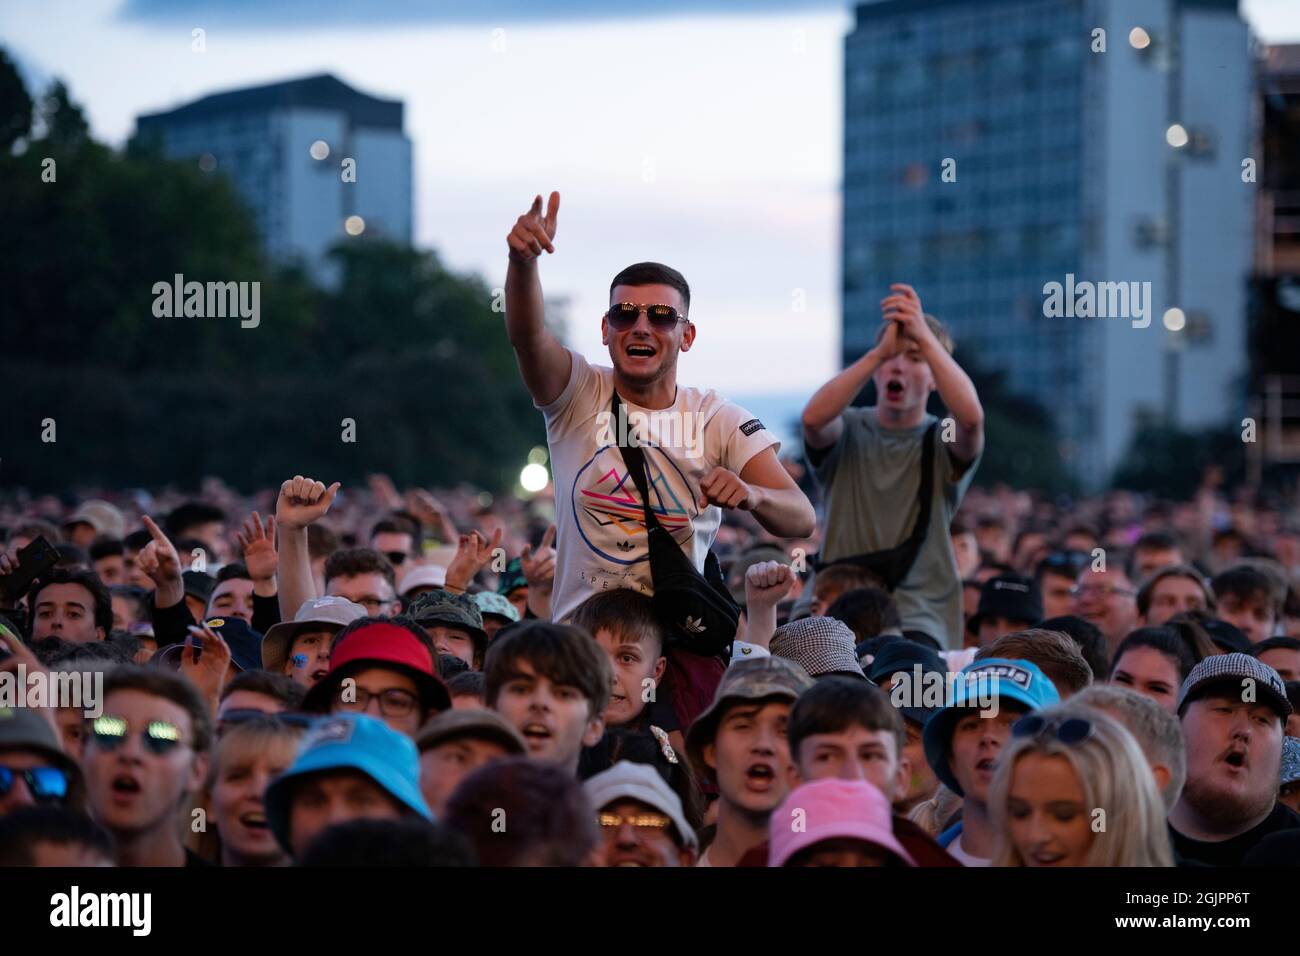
(702, 453)
(869, 461)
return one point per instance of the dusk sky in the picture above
(708, 140)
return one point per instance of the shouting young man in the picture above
(870, 462)
(703, 453)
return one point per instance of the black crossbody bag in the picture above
(696, 610)
(893, 564)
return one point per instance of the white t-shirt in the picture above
(600, 537)
(958, 853)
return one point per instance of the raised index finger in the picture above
(548, 539)
(154, 531)
(552, 209)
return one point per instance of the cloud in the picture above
(292, 14)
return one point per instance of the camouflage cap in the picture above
(453, 610)
(753, 679)
(1290, 769)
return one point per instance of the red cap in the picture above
(386, 644)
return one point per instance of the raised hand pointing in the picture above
(534, 231)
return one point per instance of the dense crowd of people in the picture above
(672, 656)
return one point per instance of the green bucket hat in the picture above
(489, 602)
(452, 610)
(512, 577)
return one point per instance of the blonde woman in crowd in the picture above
(1072, 788)
(245, 759)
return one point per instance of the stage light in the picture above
(534, 478)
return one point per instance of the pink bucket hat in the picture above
(832, 810)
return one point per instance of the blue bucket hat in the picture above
(1007, 680)
(350, 742)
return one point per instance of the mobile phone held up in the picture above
(33, 561)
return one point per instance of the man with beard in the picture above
(1233, 709)
(702, 452)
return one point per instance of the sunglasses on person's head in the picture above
(1074, 560)
(233, 718)
(46, 784)
(623, 315)
(395, 558)
(159, 736)
(1069, 732)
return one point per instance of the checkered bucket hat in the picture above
(822, 645)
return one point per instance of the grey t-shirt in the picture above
(871, 477)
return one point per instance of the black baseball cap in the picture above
(1012, 596)
(1227, 636)
(906, 656)
(199, 585)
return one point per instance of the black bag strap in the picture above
(634, 458)
(926, 493)
(925, 496)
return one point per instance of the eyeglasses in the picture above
(159, 736)
(623, 315)
(641, 821)
(1100, 590)
(1071, 731)
(396, 558)
(393, 702)
(47, 784)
